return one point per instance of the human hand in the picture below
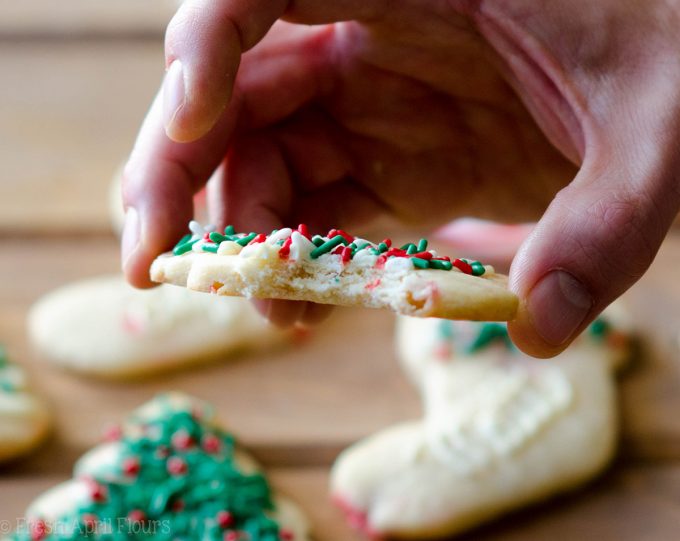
(424, 111)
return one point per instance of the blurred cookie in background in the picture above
(24, 417)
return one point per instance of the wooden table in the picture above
(75, 86)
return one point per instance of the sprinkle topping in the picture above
(193, 489)
(296, 244)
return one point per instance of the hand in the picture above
(425, 110)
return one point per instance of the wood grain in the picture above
(37, 19)
(70, 112)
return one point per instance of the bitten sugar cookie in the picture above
(501, 430)
(170, 473)
(105, 327)
(336, 269)
(24, 420)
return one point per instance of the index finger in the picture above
(204, 43)
(159, 181)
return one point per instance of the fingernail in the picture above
(558, 304)
(130, 237)
(174, 94)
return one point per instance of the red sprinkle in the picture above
(346, 254)
(443, 352)
(231, 536)
(89, 520)
(178, 506)
(373, 284)
(380, 262)
(302, 229)
(284, 252)
(335, 232)
(286, 535)
(130, 466)
(225, 519)
(442, 258)
(258, 239)
(132, 324)
(396, 252)
(136, 515)
(176, 466)
(388, 242)
(182, 440)
(211, 443)
(97, 491)
(113, 433)
(38, 530)
(462, 266)
(422, 255)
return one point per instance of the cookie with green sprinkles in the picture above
(336, 268)
(24, 417)
(170, 472)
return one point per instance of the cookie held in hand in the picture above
(336, 269)
(169, 472)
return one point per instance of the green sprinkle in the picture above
(488, 334)
(352, 246)
(445, 329)
(318, 240)
(407, 246)
(382, 247)
(412, 249)
(362, 246)
(7, 387)
(477, 268)
(210, 248)
(184, 239)
(599, 328)
(374, 251)
(420, 263)
(213, 483)
(184, 248)
(422, 245)
(440, 265)
(229, 230)
(327, 246)
(245, 240)
(3, 357)
(217, 238)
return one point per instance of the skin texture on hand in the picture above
(334, 113)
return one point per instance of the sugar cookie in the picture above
(500, 430)
(24, 418)
(170, 472)
(104, 327)
(336, 269)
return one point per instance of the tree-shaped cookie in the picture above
(169, 473)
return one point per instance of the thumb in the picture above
(596, 239)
